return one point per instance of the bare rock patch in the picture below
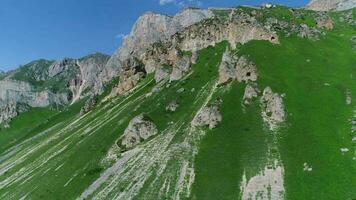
(208, 116)
(273, 112)
(139, 129)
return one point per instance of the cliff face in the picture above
(45, 83)
(151, 28)
(328, 5)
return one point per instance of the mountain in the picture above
(43, 83)
(224, 103)
(327, 5)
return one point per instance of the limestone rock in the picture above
(208, 116)
(245, 70)
(180, 68)
(250, 94)
(234, 68)
(330, 5)
(273, 112)
(89, 105)
(128, 80)
(227, 68)
(139, 129)
(7, 113)
(304, 31)
(324, 21)
(172, 106)
(162, 72)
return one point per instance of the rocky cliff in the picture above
(45, 83)
(328, 5)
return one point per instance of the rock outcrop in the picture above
(331, 5)
(324, 22)
(89, 105)
(273, 112)
(208, 116)
(152, 28)
(7, 113)
(127, 81)
(23, 92)
(172, 106)
(235, 68)
(139, 129)
(250, 94)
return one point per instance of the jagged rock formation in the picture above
(249, 94)
(273, 112)
(331, 5)
(151, 28)
(157, 50)
(23, 92)
(139, 129)
(234, 68)
(127, 81)
(89, 105)
(324, 21)
(172, 106)
(208, 116)
(7, 112)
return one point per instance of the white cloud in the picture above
(121, 36)
(181, 3)
(164, 2)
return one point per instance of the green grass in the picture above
(22, 126)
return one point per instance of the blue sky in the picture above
(55, 29)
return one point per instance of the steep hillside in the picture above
(243, 103)
(44, 83)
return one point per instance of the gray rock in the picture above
(172, 106)
(151, 28)
(273, 112)
(162, 73)
(7, 113)
(234, 68)
(250, 94)
(89, 105)
(208, 116)
(181, 67)
(139, 129)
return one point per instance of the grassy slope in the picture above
(62, 158)
(318, 121)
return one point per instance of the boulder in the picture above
(250, 94)
(162, 72)
(245, 70)
(273, 112)
(139, 129)
(208, 116)
(7, 113)
(172, 106)
(227, 68)
(324, 22)
(234, 68)
(180, 68)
